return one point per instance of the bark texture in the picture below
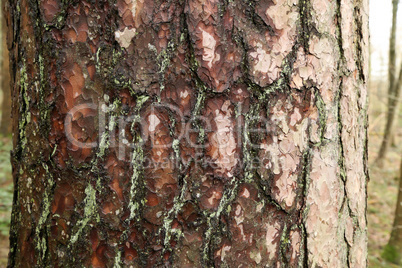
(5, 123)
(227, 133)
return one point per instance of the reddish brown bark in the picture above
(189, 133)
(5, 123)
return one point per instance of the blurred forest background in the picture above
(385, 168)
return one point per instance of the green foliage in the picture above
(6, 186)
(6, 201)
(391, 254)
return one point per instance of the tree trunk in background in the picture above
(189, 133)
(392, 98)
(392, 251)
(392, 116)
(392, 51)
(5, 123)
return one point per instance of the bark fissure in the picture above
(359, 49)
(305, 183)
(343, 174)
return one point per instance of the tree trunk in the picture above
(392, 81)
(189, 133)
(392, 251)
(392, 51)
(5, 123)
(391, 117)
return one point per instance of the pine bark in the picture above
(189, 133)
(5, 123)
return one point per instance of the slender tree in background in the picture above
(189, 133)
(393, 91)
(392, 51)
(393, 251)
(5, 123)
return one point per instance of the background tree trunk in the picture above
(392, 251)
(228, 133)
(392, 51)
(393, 97)
(391, 117)
(5, 123)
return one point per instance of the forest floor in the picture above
(382, 188)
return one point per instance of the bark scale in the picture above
(189, 133)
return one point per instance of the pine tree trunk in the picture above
(189, 133)
(5, 123)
